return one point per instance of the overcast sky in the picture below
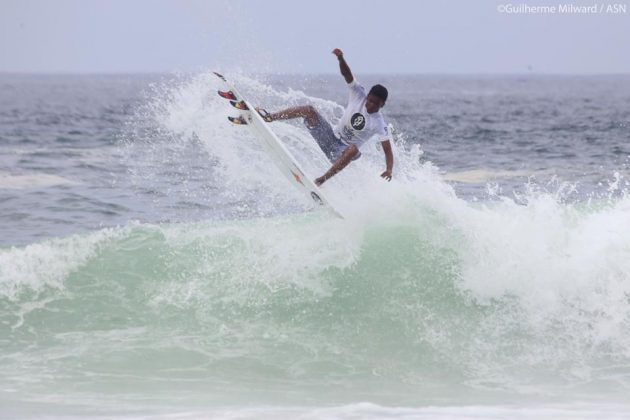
(296, 36)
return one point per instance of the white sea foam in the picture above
(48, 264)
(9, 181)
(370, 411)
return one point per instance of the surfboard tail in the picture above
(277, 152)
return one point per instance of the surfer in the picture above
(361, 121)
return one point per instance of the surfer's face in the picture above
(373, 103)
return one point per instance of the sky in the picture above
(293, 36)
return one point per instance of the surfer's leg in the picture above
(324, 135)
(307, 112)
(319, 128)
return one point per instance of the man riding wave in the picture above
(361, 121)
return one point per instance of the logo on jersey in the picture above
(357, 121)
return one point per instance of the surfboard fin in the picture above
(228, 95)
(239, 105)
(237, 120)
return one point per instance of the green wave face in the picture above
(444, 303)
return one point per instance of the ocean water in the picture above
(154, 263)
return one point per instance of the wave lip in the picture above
(47, 265)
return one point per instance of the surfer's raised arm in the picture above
(343, 66)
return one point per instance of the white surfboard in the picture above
(278, 152)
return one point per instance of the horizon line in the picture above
(189, 72)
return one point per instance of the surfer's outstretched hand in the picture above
(387, 175)
(319, 181)
(337, 52)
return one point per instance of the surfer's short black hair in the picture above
(379, 91)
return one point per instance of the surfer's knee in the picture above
(310, 114)
(351, 152)
(308, 111)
